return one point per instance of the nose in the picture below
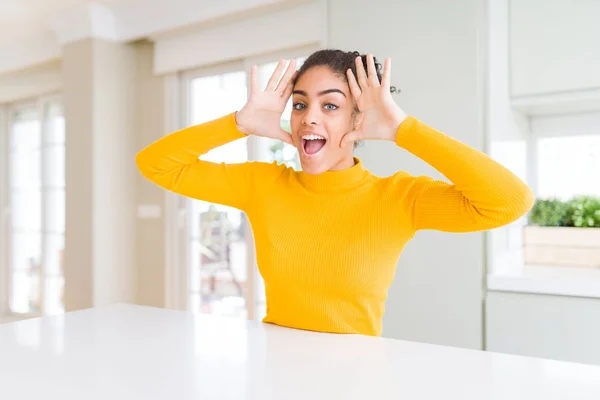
(310, 117)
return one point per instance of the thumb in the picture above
(350, 137)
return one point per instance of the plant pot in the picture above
(562, 246)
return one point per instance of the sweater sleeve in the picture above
(172, 163)
(482, 194)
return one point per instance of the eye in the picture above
(298, 106)
(331, 107)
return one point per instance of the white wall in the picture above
(114, 171)
(30, 82)
(99, 95)
(77, 93)
(554, 46)
(16, 55)
(151, 231)
(566, 124)
(507, 132)
(255, 35)
(503, 123)
(437, 59)
(555, 327)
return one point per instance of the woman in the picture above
(328, 238)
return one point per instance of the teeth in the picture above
(312, 137)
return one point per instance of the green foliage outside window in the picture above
(580, 211)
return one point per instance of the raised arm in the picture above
(172, 162)
(482, 194)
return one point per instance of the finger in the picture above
(287, 77)
(354, 88)
(290, 87)
(387, 73)
(373, 79)
(361, 74)
(272, 84)
(286, 137)
(350, 137)
(254, 80)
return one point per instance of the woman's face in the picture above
(322, 113)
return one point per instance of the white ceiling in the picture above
(21, 18)
(33, 31)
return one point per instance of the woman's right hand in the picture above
(261, 115)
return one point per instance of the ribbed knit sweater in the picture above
(327, 245)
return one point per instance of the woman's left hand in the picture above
(380, 116)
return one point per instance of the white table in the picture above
(131, 352)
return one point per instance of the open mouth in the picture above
(312, 144)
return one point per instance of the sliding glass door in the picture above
(216, 238)
(216, 243)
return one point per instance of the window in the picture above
(276, 150)
(221, 275)
(34, 204)
(216, 235)
(568, 166)
(560, 159)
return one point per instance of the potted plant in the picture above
(564, 232)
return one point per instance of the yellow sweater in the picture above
(327, 245)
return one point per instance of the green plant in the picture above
(580, 211)
(548, 212)
(584, 211)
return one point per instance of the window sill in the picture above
(553, 280)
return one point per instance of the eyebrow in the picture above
(322, 93)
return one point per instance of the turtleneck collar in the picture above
(332, 181)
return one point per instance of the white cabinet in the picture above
(556, 327)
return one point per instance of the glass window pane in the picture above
(261, 311)
(55, 124)
(216, 256)
(26, 250)
(276, 150)
(196, 252)
(37, 201)
(568, 166)
(196, 207)
(25, 169)
(216, 96)
(55, 211)
(219, 261)
(195, 305)
(25, 130)
(25, 292)
(26, 207)
(512, 154)
(54, 168)
(54, 254)
(54, 293)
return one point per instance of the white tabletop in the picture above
(131, 352)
